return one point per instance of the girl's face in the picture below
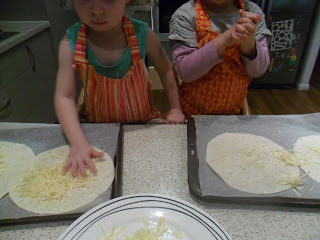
(101, 15)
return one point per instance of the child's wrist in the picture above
(248, 48)
(79, 144)
(176, 108)
(226, 39)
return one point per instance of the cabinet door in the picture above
(44, 76)
(28, 74)
(13, 63)
(21, 98)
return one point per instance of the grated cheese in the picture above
(286, 157)
(144, 233)
(178, 234)
(296, 192)
(293, 181)
(48, 184)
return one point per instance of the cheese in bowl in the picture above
(147, 232)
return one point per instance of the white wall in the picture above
(310, 57)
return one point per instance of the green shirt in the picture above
(120, 68)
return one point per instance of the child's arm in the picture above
(193, 63)
(81, 151)
(258, 64)
(168, 77)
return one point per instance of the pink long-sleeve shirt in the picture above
(192, 63)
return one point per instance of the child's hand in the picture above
(253, 16)
(175, 116)
(246, 29)
(246, 25)
(233, 35)
(79, 157)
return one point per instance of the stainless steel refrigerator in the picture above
(289, 21)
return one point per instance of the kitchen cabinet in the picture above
(27, 81)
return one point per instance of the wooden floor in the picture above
(271, 101)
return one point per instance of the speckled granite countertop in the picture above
(25, 29)
(155, 161)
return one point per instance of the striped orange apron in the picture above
(223, 89)
(122, 100)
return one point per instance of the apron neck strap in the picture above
(80, 48)
(131, 38)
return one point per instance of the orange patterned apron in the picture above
(122, 100)
(223, 89)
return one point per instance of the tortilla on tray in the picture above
(252, 163)
(46, 190)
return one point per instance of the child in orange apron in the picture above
(107, 50)
(217, 49)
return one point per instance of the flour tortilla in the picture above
(249, 163)
(307, 151)
(77, 197)
(16, 160)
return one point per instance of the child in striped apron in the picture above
(107, 50)
(218, 46)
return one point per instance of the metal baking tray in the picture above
(45, 138)
(292, 125)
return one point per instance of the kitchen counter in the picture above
(26, 30)
(155, 161)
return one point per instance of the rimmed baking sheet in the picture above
(206, 184)
(104, 136)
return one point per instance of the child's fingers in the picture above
(235, 36)
(174, 122)
(82, 169)
(96, 154)
(241, 29)
(74, 168)
(241, 13)
(67, 166)
(249, 27)
(239, 36)
(168, 121)
(253, 16)
(245, 20)
(244, 37)
(91, 165)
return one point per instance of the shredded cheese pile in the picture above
(144, 233)
(178, 234)
(111, 235)
(293, 181)
(49, 184)
(287, 158)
